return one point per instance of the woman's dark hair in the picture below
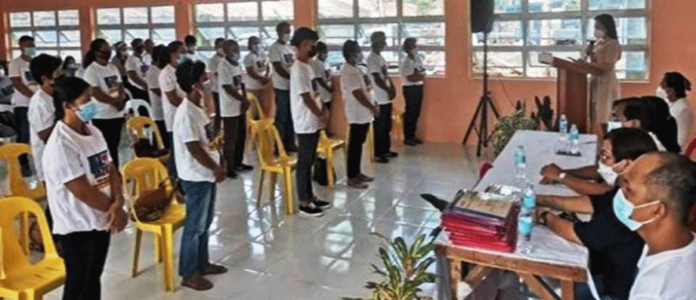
(350, 47)
(636, 109)
(678, 83)
(190, 40)
(188, 73)
(44, 65)
(321, 47)
(302, 34)
(609, 24)
(160, 56)
(662, 123)
(91, 55)
(67, 90)
(629, 143)
(409, 43)
(66, 62)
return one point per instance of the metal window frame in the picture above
(123, 27)
(584, 14)
(33, 29)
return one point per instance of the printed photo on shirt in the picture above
(28, 76)
(99, 166)
(288, 58)
(384, 71)
(144, 68)
(111, 81)
(237, 81)
(261, 64)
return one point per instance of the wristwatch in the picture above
(562, 176)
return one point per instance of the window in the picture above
(340, 20)
(239, 20)
(127, 23)
(55, 32)
(525, 28)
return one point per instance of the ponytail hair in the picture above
(67, 90)
(91, 55)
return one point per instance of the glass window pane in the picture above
(135, 15)
(336, 34)
(69, 17)
(162, 14)
(206, 55)
(503, 33)
(632, 65)
(428, 34)
(110, 35)
(46, 38)
(277, 10)
(163, 35)
(108, 16)
(553, 5)
(559, 32)
(391, 30)
(537, 69)
(500, 64)
(76, 54)
(242, 34)
(44, 18)
(243, 11)
(616, 4)
(335, 60)
(508, 6)
(14, 37)
(415, 8)
(22, 19)
(335, 9)
(631, 31)
(131, 34)
(268, 35)
(53, 52)
(376, 8)
(434, 62)
(207, 35)
(69, 38)
(210, 12)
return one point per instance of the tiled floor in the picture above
(274, 256)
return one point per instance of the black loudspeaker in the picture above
(482, 15)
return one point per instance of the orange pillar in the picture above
(87, 26)
(4, 37)
(184, 18)
(305, 13)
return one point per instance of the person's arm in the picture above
(416, 76)
(98, 94)
(359, 94)
(280, 70)
(561, 227)
(380, 82)
(252, 73)
(45, 134)
(133, 75)
(308, 100)
(88, 194)
(118, 219)
(174, 98)
(586, 172)
(202, 157)
(20, 86)
(320, 81)
(157, 91)
(235, 93)
(581, 186)
(575, 204)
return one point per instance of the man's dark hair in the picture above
(174, 46)
(676, 178)
(409, 43)
(350, 47)
(629, 143)
(161, 56)
(188, 73)
(25, 38)
(136, 41)
(44, 65)
(282, 25)
(638, 110)
(302, 34)
(190, 40)
(321, 47)
(252, 39)
(218, 41)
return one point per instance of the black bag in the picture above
(320, 172)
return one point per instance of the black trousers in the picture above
(413, 96)
(358, 134)
(217, 122)
(283, 118)
(163, 132)
(140, 94)
(111, 128)
(306, 154)
(20, 114)
(84, 256)
(382, 126)
(171, 164)
(235, 138)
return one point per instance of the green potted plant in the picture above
(404, 269)
(506, 127)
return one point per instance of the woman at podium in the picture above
(603, 53)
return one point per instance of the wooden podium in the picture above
(572, 99)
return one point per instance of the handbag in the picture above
(150, 206)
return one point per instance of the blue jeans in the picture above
(200, 208)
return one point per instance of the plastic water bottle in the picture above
(574, 139)
(563, 125)
(528, 198)
(520, 163)
(525, 224)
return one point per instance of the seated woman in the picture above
(614, 249)
(673, 88)
(662, 123)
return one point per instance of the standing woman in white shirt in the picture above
(673, 89)
(360, 110)
(24, 86)
(282, 58)
(413, 73)
(108, 92)
(257, 72)
(172, 95)
(213, 64)
(136, 68)
(384, 92)
(84, 190)
(160, 60)
(322, 78)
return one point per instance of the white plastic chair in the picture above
(133, 106)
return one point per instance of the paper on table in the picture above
(478, 203)
(546, 58)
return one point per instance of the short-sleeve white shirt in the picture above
(192, 124)
(107, 79)
(284, 54)
(352, 79)
(20, 68)
(304, 120)
(229, 74)
(408, 67)
(41, 117)
(259, 63)
(377, 66)
(152, 78)
(168, 83)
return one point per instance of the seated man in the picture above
(657, 193)
(614, 249)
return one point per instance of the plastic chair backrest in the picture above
(690, 149)
(10, 154)
(15, 260)
(257, 106)
(2, 259)
(267, 141)
(136, 124)
(141, 175)
(133, 108)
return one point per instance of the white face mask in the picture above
(660, 92)
(599, 34)
(611, 125)
(607, 173)
(285, 37)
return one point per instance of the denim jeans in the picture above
(200, 209)
(22, 121)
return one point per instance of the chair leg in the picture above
(259, 191)
(157, 243)
(330, 169)
(371, 144)
(27, 295)
(289, 191)
(167, 247)
(272, 185)
(138, 238)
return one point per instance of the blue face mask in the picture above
(29, 51)
(254, 48)
(182, 58)
(623, 209)
(87, 111)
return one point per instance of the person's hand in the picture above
(117, 218)
(540, 216)
(551, 171)
(245, 105)
(324, 117)
(265, 81)
(375, 111)
(220, 174)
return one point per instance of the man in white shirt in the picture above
(360, 110)
(282, 58)
(257, 71)
(655, 200)
(24, 86)
(136, 68)
(412, 73)
(160, 56)
(149, 51)
(673, 89)
(191, 41)
(172, 95)
(322, 76)
(233, 104)
(213, 64)
(383, 93)
(309, 117)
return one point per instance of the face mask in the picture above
(254, 48)
(29, 51)
(607, 173)
(234, 57)
(599, 34)
(181, 58)
(623, 209)
(611, 125)
(220, 52)
(87, 111)
(660, 92)
(359, 57)
(285, 37)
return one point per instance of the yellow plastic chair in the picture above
(24, 280)
(137, 124)
(267, 140)
(2, 259)
(369, 141)
(397, 130)
(252, 115)
(145, 174)
(326, 148)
